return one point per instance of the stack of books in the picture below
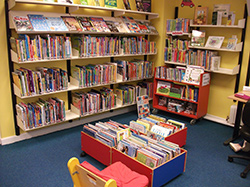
(41, 112)
(43, 80)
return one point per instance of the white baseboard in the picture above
(63, 126)
(218, 120)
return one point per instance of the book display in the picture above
(183, 92)
(145, 153)
(46, 37)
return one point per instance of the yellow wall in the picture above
(221, 87)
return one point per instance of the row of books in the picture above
(179, 25)
(111, 72)
(175, 74)
(92, 46)
(204, 58)
(127, 93)
(134, 69)
(41, 112)
(46, 47)
(177, 43)
(94, 101)
(141, 147)
(91, 75)
(178, 91)
(37, 47)
(156, 127)
(39, 81)
(35, 22)
(178, 105)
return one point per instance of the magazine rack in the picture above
(157, 176)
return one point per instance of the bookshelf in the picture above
(71, 113)
(192, 101)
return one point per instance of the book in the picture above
(146, 5)
(71, 23)
(215, 41)
(131, 24)
(215, 63)
(139, 5)
(230, 18)
(112, 25)
(126, 4)
(214, 18)
(110, 3)
(143, 26)
(22, 23)
(200, 15)
(99, 24)
(162, 101)
(38, 22)
(122, 27)
(198, 38)
(143, 108)
(219, 18)
(192, 74)
(231, 43)
(85, 24)
(56, 24)
(163, 87)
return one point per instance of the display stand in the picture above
(202, 102)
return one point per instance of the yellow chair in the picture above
(82, 177)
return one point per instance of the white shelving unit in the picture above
(241, 25)
(73, 113)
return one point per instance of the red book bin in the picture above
(157, 176)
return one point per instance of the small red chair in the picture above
(117, 174)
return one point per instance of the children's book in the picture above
(126, 4)
(230, 18)
(38, 22)
(231, 44)
(56, 24)
(143, 26)
(146, 5)
(143, 106)
(200, 15)
(22, 23)
(99, 24)
(131, 24)
(110, 3)
(122, 27)
(163, 87)
(215, 41)
(215, 63)
(112, 25)
(71, 23)
(151, 28)
(139, 5)
(198, 38)
(85, 24)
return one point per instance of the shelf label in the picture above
(205, 79)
